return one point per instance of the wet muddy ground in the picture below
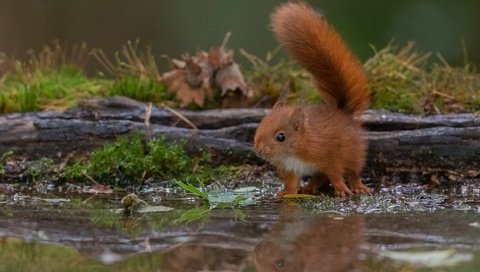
(399, 228)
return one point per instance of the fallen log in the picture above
(398, 142)
(121, 108)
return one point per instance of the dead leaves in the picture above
(197, 79)
(188, 93)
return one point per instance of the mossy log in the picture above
(398, 142)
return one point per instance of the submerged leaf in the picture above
(248, 189)
(149, 209)
(99, 189)
(230, 199)
(221, 199)
(56, 200)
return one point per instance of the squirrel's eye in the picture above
(281, 137)
(280, 263)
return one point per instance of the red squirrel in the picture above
(320, 141)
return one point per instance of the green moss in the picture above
(41, 170)
(3, 159)
(131, 161)
(44, 89)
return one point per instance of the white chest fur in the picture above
(299, 167)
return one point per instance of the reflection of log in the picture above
(397, 141)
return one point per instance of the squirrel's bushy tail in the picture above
(318, 48)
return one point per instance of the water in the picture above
(409, 230)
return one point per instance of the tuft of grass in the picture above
(453, 89)
(395, 76)
(202, 193)
(130, 61)
(135, 73)
(145, 90)
(50, 79)
(404, 79)
(269, 75)
(130, 161)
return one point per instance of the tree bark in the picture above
(397, 142)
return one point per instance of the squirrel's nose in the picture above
(260, 151)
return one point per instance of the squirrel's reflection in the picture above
(317, 244)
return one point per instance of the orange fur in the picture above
(320, 140)
(320, 50)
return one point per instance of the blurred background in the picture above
(174, 27)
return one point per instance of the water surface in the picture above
(410, 231)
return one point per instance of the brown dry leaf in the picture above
(178, 64)
(196, 71)
(230, 78)
(195, 79)
(219, 58)
(177, 82)
(215, 58)
(234, 90)
(100, 189)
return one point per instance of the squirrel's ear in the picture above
(297, 119)
(282, 98)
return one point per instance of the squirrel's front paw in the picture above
(280, 194)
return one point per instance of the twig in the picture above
(443, 94)
(91, 179)
(179, 115)
(148, 114)
(225, 40)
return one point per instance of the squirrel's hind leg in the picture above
(338, 183)
(355, 183)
